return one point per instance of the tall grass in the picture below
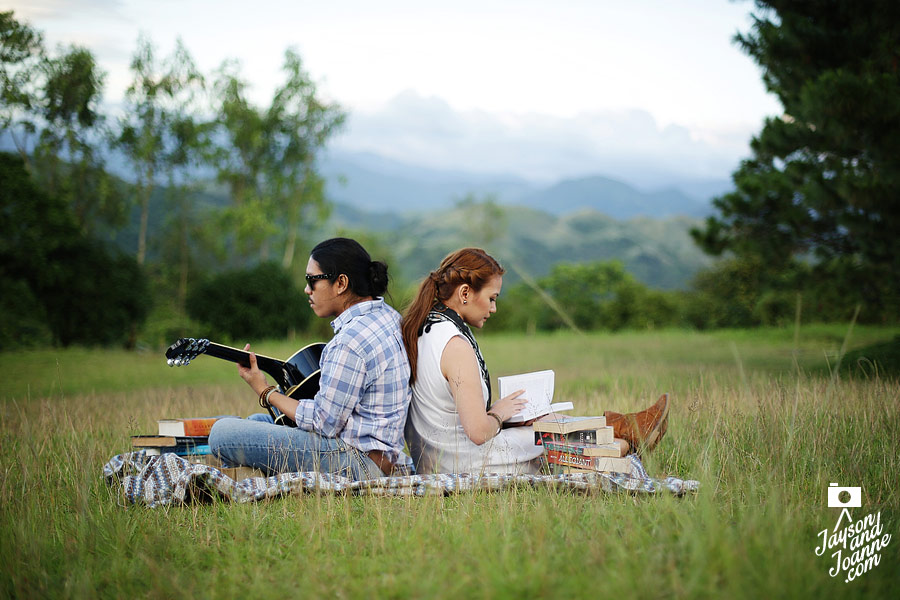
(759, 421)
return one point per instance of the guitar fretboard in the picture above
(268, 365)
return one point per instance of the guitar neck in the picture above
(271, 366)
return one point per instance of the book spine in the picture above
(579, 450)
(617, 449)
(183, 447)
(198, 427)
(192, 427)
(202, 450)
(588, 462)
(588, 436)
(563, 447)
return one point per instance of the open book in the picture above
(538, 388)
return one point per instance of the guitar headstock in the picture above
(184, 351)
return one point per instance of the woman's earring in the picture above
(465, 301)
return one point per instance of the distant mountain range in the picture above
(413, 213)
(416, 214)
(657, 252)
(375, 183)
(378, 184)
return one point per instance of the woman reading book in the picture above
(354, 424)
(454, 424)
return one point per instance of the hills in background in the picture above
(658, 252)
(574, 220)
(374, 183)
(415, 216)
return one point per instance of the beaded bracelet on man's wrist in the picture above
(264, 396)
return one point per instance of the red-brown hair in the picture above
(473, 266)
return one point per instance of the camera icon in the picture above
(854, 496)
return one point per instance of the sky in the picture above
(650, 91)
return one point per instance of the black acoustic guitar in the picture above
(296, 377)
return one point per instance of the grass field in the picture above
(761, 418)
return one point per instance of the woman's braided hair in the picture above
(472, 266)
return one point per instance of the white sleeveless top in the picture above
(436, 438)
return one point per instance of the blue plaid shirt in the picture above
(364, 388)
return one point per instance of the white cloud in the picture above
(64, 9)
(628, 144)
(647, 90)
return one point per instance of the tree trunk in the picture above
(142, 233)
(184, 258)
(145, 191)
(288, 259)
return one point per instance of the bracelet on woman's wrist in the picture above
(499, 421)
(264, 396)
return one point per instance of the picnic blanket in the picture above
(168, 479)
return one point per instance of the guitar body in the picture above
(297, 370)
(297, 377)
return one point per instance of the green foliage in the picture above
(94, 297)
(585, 290)
(594, 296)
(266, 158)
(657, 252)
(824, 180)
(159, 132)
(55, 275)
(21, 49)
(881, 359)
(50, 109)
(727, 294)
(254, 303)
(67, 159)
(23, 323)
(744, 291)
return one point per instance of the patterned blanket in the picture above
(169, 479)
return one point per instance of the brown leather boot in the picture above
(641, 430)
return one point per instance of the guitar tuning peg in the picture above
(170, 362)
(187, 361)
(178, 362)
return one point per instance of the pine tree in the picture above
(823, 184)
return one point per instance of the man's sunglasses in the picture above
(312, 279)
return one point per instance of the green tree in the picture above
(584, 290)
(59, 285)
(245, 304)
(241, 161)
(67, 157)
(49, 107)
(267, 159)
(823, 185)
(21, 54)
(158, 131)
(185, 220)
(301, 123)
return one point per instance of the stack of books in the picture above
(188, 438)
(581, 444)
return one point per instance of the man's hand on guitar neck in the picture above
(255, 378)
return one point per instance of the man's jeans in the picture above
(258, 442)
